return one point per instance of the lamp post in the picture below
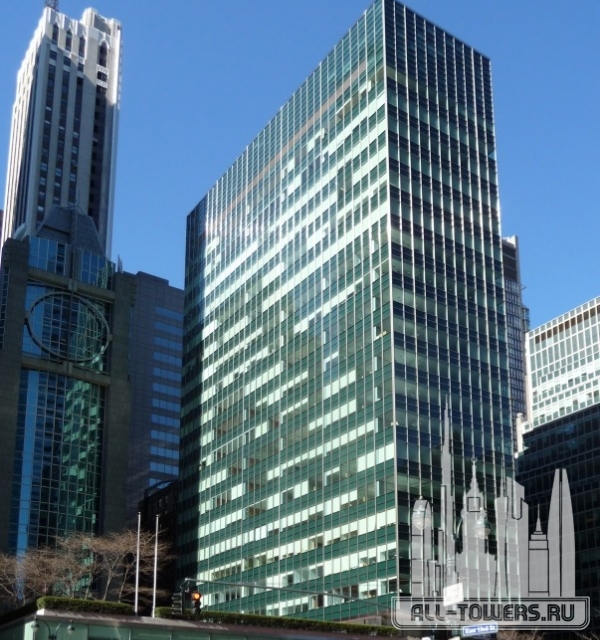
(421, 518)
(35, 625)
(482, 525)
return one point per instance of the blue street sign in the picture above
(479, 630)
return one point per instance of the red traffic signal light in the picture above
(196, 600)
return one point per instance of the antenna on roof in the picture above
(53, 4)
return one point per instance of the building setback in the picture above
(65, 322)
(64, 124)
(344, 279)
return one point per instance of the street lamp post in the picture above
(35, 625)
(481, 529)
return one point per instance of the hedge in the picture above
(253, 620)
(55, 603)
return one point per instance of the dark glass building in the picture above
(517, 325)
(344, 280)
(65, 320)
(571, 443)
(155, 367)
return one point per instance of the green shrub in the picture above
(55, 603)
(250, 619)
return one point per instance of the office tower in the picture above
(344, 280)
(563, 372)
(64, 124)
(562, 431)
(65, 323)
(155, 374)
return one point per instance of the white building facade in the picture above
(563, 358)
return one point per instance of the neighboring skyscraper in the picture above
(125, 400)
(562, 430)
(343, 280)
(517, 325)
(155, 368)
(573, 443)
(65, 322)
(564, 365)
(64, 124)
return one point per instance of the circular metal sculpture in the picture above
(68, 326)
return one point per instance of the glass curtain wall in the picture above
(343, 280)
(60, 424)
(449, 319)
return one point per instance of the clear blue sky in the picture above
(202, 77)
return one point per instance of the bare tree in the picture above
(39, 570)
(9, 583)
(146, 565)
(79, 568)
(82, 565)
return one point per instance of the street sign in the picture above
(479, 630)
(176, 603)
(453, 594)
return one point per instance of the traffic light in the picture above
(196, 601)
(176, 603)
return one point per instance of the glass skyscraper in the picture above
(155, 375)
(517, 325)
(344, 280)
(64, 384)
(90, 357)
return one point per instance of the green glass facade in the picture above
(60, 425)
(343, 281)
(64, 388)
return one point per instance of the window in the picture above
(69, 41)
(163, 388)
(169, 313)
(167, 328)
(81, 47)
(102, 54)
(55, 34)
